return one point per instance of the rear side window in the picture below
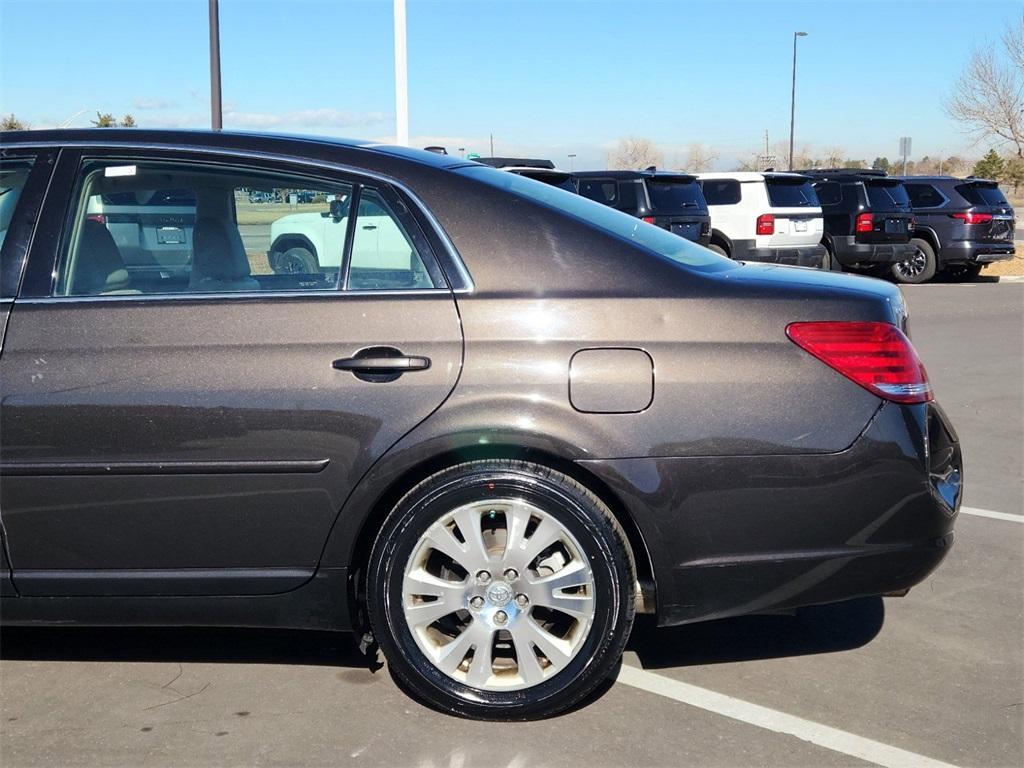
(674, 197)
(982, 194)
(13, 177)
(602, 190)
(829, 193)
(789, 194)
(721, 191)
(887, 195)
(384, 256)
(156, 227)
(924, 195)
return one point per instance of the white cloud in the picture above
(146, 104)
(303, 118)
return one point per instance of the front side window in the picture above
(161, 227)
(13, 177)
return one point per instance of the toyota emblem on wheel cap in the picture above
(499, 594)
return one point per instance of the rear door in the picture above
(797, 212)
(890, 210)
(991, 219)
(202, 439)
(24, 174)
(677, 204)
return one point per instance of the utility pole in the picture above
(572, 162)
(766, 142)
(792, 101)
(216, 118)
(401, 78)
(492, 145)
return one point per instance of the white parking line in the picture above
(779, 722)
(992, 515)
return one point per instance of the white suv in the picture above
(773, 217)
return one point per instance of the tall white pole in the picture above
(401, 78)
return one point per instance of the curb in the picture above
(1011, 278)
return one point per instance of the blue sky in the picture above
(545, 77)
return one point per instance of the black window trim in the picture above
(17, 244)
(443, 251)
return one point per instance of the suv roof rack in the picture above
(845, 171)
(516, 162)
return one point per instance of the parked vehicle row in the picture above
(860, 220)
(487, 426)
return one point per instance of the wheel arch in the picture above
(382, 500)
(722, 240)
(929, 236)
(292, 240)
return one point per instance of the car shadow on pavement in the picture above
(198, 645)
(817, 629)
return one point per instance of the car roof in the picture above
(747, 175)
(256, 141)
(952, 179)
(847, 174)
(627, 175)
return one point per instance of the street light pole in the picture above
(792, 101)
(572, 162)
(401, 78)
(216, 119)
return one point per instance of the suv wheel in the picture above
(718, 249)
(501, 590)
(295, 260)
(830, 263)
(918, 267)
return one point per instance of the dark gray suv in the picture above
(962, 225)
(485, 438)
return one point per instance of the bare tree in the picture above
(634, 153)
(11, 123)
(989, 96)
(834, 157)
(699, 157)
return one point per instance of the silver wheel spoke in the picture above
(555, 649)
(526, 551)
(440, 538)
(482, 668)
(451, 654)
(476, 556)
(529, 665)
(577, 606)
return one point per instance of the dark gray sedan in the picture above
(483, 419)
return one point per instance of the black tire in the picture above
(962, 273)
(917, 269)
(579, 512)
(831, 263)
(296, 260)
(718, 249)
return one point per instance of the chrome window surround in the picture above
(461, 283)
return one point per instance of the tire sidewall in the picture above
(399, 536)
(929, 269)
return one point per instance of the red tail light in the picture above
(648, 219)
(99, 218)
(877, 356)
(765, 224)
(973, 218)
(865, 223)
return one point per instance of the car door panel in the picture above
(197, 445)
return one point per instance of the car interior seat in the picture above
(98, 267)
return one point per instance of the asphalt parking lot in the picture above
(933, 678)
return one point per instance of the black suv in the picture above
(962, 225)
(868, 218)
(672, 201)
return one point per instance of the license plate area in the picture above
(799, 226)
(895, 226)
(170, 236)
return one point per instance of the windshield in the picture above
(674, 196)
(887, 195)
(791, 194)
(982, 194)
(654, 239)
